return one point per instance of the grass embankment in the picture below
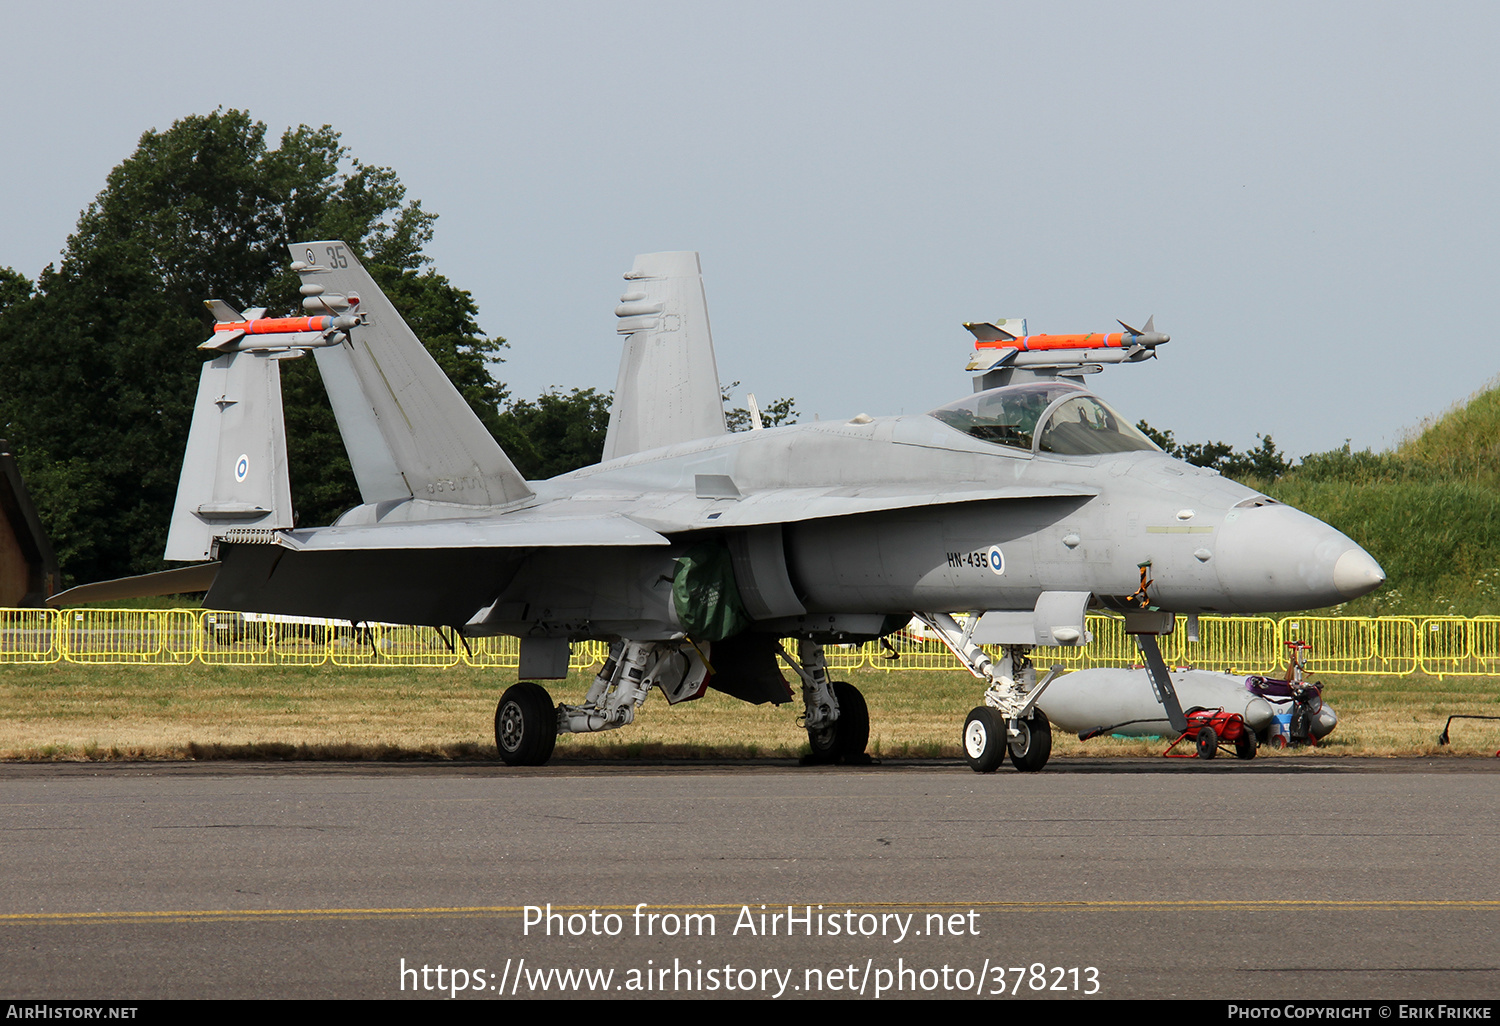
(66, 712)
(1429, 511)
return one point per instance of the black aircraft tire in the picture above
(1245, 747)
(984, 740)
(847, 736)
(525, 725)
(1208, 743)
(1032, 747)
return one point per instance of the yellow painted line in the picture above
(515, 911)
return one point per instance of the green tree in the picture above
(772, 414)
(98, 367)
(559, 432)
(556, 433)
(1265, 461)
(14, 287)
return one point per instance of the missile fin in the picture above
(987, 331)
(222, 311)
(222, 339)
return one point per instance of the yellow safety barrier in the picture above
(1374, 646)
(128, 635)
(1246, 644)
(912, 652)
(1460, 646)
(29, 636)
(1110, 646)
(388, 645)
(587, 653)
(850, 657)
(501, 652)
(230, 639)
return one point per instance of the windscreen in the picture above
(1080, 425)
(1086, 427)
(1006, 416)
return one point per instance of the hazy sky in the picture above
(1304, 194)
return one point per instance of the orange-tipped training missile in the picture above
(992, 336)
(1027, 343)
(1006, 344)
(279, 325)
(232, 325)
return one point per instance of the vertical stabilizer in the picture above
(234, 474)
(668, 388)
(407, 429)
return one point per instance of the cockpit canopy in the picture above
(1052, 417)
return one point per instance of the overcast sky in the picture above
(1304, 194)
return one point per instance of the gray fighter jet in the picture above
(694, 552)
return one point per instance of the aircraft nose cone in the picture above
(1277, 558)
(1356, 573)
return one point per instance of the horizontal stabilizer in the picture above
(185, 580)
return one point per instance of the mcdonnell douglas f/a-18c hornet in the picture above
(694, 552)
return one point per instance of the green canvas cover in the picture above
(705, 594)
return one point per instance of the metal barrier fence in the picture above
(1440, 646)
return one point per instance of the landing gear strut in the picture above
(527, 723)
(834, 712)
(1008, 720)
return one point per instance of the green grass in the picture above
(1428, 511)
(1438, 541)
(69, 712)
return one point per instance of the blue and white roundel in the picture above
(241, 467)
(997, 560)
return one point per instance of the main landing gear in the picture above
(1008, 723)
(834, 712)
(527, 723)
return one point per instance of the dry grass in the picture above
(69, 712)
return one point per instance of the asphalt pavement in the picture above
(1278, 879)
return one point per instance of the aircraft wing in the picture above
(583, 523)
(511, 531)
(790, 505)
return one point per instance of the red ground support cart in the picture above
(1212, 729)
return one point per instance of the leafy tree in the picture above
(1265, 461)
(98, 367)
(14, 287)
(773, 414)
(556, 433)
(559, 432)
